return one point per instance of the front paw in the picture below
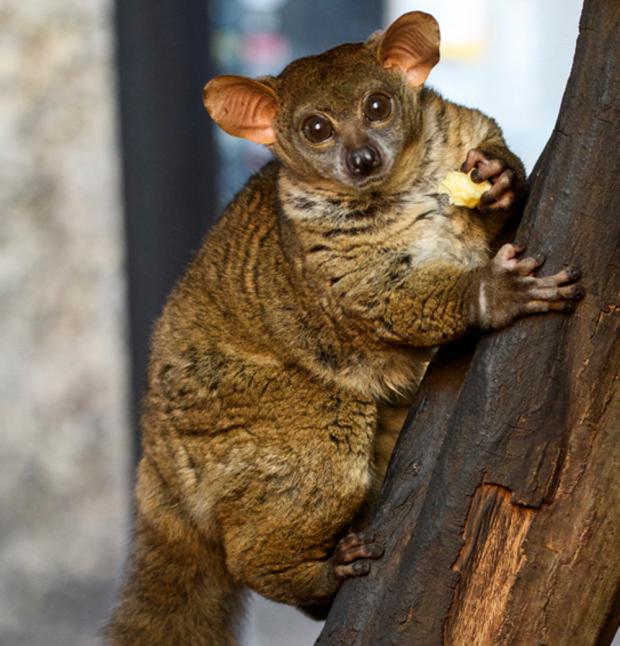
(511, 290)
(503, 194)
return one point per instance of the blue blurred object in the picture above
(259, 37)
(510, 59)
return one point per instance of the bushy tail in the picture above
(178, 590)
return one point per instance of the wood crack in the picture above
(488, 562)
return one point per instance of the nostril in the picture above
(363, 160)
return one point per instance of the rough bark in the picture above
(501, 508)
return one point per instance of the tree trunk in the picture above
(501, 508)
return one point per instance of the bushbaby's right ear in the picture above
(242, 107)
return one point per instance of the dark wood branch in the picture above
(501, 508)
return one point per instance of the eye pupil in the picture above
(317, 129)
(377, 107)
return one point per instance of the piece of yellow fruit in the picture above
(462, 190)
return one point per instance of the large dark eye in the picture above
(317, 129)
(377, 107)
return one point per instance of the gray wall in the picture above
(63, 428)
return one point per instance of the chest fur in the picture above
(341, 245)
(418, 222)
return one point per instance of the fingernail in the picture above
(376, 550)
(361, 567)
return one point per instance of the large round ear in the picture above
(411, 44)
(242, 107)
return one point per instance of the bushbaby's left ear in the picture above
(411, 44)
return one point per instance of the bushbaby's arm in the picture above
(477, 139)
(439, 302)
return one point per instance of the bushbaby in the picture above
(285, 356)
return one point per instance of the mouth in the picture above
(363, 183)
(366, 182)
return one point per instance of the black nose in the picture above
(363, 161)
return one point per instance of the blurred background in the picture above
(111, 176)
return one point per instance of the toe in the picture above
(362, 550)
(528, 266)
(536, 306)
(509, 251)
(474, 157)
(492, 168)
(358, 568)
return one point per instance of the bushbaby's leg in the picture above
(308, 576)
(391, 421)
(305, 479)
(391, 418)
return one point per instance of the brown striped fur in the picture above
(283, 361)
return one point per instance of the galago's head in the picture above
(344, 116)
